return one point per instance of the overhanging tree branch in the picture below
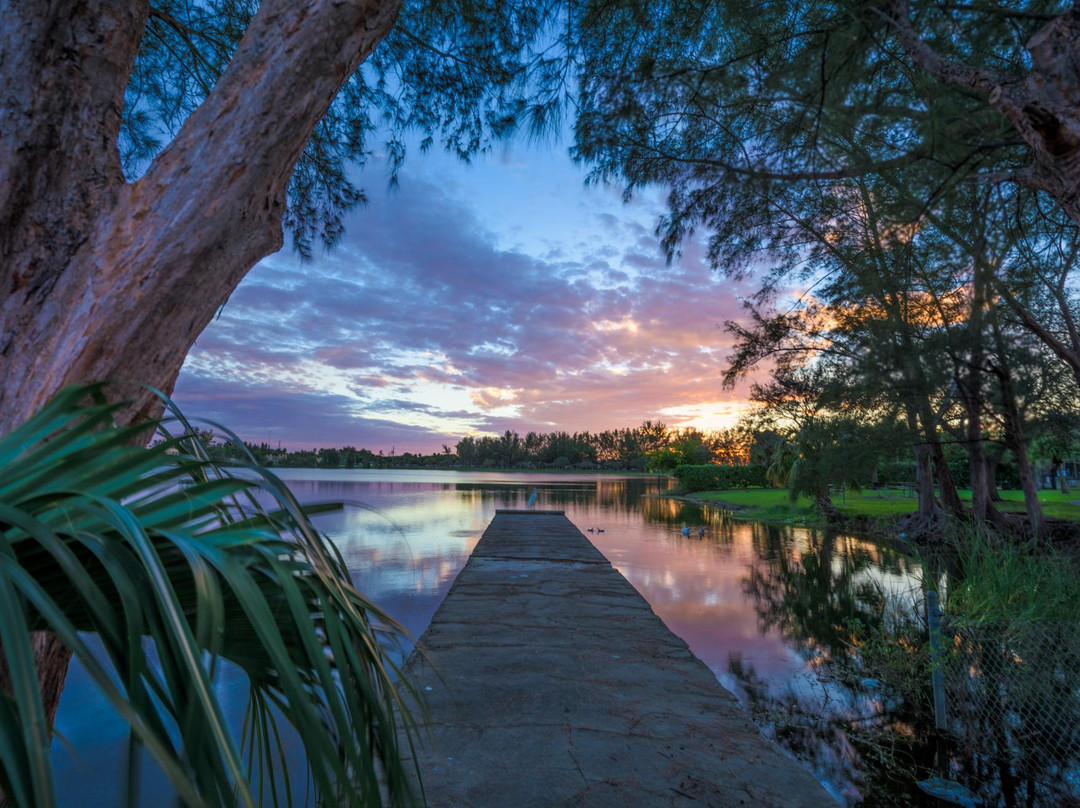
(847, 172)
(1041, 104)
(926, 58)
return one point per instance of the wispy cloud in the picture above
(422, 327)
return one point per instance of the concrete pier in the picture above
(551, 682)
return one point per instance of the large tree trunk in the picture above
(104, 279)
(927, 423)
(1014, 434)
(924, 429)
(927, 508)
(828, 509)
(950, 498)
(994, 452)
(968, 379)
(927, 505)
(1041, 105)
(980, 491)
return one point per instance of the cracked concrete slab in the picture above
(549, 681)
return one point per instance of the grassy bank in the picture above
(775, 504)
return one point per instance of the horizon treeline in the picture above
(652, 445)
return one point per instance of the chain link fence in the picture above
(1008, 700)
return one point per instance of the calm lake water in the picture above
(763, 606)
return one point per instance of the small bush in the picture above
(896, 471)
(709, 477)
(903, 471)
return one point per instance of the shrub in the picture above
(896, 471)
(708, 477)
(903, 471)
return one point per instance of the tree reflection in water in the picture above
(863, 713)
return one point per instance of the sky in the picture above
(471, 299)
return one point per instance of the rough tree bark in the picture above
(825, 504)
(1043, 105)
(105, 279)
(994, 454)
(971, 397)
(968, 378)
(925, 431)
(950, 498)
(1014, 437)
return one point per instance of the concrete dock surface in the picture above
(550, 682)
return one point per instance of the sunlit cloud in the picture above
(435, 319)
(707, 415)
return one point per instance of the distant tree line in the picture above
(795, 435)
(652, 446)
(347, 457)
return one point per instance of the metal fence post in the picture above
(933, 622)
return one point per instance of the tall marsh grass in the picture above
(999, 581)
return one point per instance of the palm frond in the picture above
(174, 565)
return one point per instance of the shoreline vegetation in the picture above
(495, 470)
(872, 510)
(866, 510)
(716, 469)
(739, 459)
(881, 510)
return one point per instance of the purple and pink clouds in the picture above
(435, 319)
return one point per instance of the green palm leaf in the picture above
(164, 556)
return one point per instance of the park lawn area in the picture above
(1055, 504)
(759, 503)
(773, 503)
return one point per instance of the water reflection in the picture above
(769, 609)
(825, 593)
(861, 710)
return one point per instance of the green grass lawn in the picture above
(768, 503)
(1055, 504)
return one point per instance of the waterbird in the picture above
(686, 531)
(599, 530)
(532, 498)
